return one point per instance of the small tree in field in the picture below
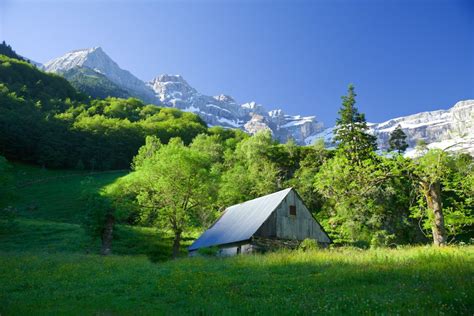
(100, 215)
(397, 141)
(99, 220)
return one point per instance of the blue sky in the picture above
(402, 56)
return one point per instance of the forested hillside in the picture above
(93, 83)
(44, 120)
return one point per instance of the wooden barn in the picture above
(275, 220)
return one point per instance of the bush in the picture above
(209, 251)
(308, 245)
(381, 239)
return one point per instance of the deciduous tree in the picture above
(178, 182)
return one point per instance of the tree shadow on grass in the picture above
(156, 245)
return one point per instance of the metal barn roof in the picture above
(239, 222)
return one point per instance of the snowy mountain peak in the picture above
(172, 89)
(88, 50)
(96, 59)
(76, 58)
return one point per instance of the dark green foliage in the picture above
(397, 141)
(24, 82)
(7, 50)
(208, 251)
(249, 170)
(312, 158)
(351, 130)
(4, 180)
(453, 175)
(366, 198)
(96, 208)
(93, 83)
(44, 120)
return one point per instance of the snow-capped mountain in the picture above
(97, 60)
(451, 129)
(174, 91)
(223, 110)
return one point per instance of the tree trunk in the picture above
(107, 235)
(433, 199)
(176, 243)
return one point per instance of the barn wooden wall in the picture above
(300, 226)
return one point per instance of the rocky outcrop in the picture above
(223, 110)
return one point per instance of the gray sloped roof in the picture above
(239, 222)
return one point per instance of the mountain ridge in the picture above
(175, 91)
(435, 127)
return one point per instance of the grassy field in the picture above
(418, 281)
(50, 210)
(49, 266)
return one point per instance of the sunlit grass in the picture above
(414, 281)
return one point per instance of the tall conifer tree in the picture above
(351, 130)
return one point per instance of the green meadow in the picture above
(413, 281)
(49, 266)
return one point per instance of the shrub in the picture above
(308, 245)
(209, 251)
(381, 239)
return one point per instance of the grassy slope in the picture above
(50, 211)
(45, 268)
(412, 281)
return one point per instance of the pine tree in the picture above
(351, 130)
(397, 140)
(7, 50)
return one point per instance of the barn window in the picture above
(293, 210)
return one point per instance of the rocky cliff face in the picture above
(223, 110)
(451, 129)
